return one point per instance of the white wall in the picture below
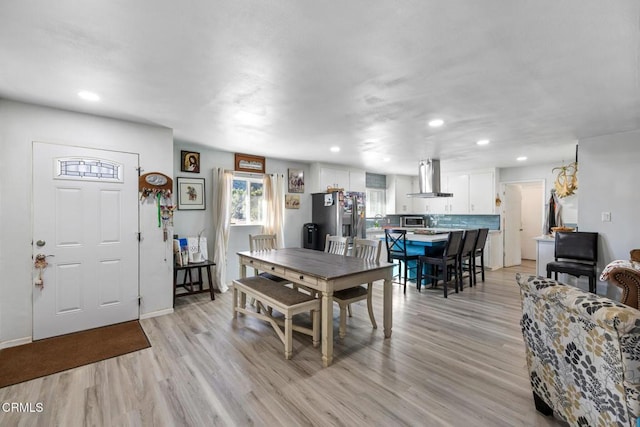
(20, 125)
(189, 223)
(544, 172)
(609, 179)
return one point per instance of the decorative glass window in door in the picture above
(88, 169)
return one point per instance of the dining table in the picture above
(323, 273)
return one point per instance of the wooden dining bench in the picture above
(287, 301)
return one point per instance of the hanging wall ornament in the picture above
(158, 186)
(566, 182)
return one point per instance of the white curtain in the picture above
(222, 181)
(274, 212)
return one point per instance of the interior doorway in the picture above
(523, 217)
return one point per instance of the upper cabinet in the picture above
(473, 193)
(398, 186)
(482, 191)
(325, 176)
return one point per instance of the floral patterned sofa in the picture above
(583, 353)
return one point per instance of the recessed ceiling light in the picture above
(89, 96)
(483, 142)
(334, 149)
(521, 158)
(436, 123)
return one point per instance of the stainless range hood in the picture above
(429, 180)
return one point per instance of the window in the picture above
(247, 201)
(376, 203)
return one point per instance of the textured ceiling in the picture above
(290, 79)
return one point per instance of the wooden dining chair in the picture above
(336, 245)
(265, 242)
(478, 253)
(445, 262)
(368, 250)
(467, 255)
(398, 249)
(262, 242)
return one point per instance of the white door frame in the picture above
(522, 181)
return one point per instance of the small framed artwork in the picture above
(190, 193)
(292, 201)
(189, 161)
(248, 163)
(296, 181)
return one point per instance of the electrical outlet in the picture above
(606, 216)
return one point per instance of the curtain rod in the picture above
(250, 174)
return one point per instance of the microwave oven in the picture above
(413, 221)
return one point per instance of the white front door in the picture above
(512, 225)
(85, 219)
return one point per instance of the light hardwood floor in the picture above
(450, 362)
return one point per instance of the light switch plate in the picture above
(606, 216)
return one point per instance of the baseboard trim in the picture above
(156, 313)
(16, 342)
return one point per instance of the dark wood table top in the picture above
(316, 263)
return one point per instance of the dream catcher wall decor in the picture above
(566, 182)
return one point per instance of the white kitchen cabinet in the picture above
(398, 186)
(458, 184)
(350, 180)
(473, 193)
(357, 181)
(482, 193)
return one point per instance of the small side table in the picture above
(190, 285)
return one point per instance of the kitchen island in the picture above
(417, 243)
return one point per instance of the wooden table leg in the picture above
(213, 297)
(388, 305)
(327, 328)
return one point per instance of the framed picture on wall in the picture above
(189, 161)
(296, 181)
(249, 163)
(190, 193)
(292, 201)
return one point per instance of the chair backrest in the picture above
(483, 233)
(579, 245)
(335, 245)
(366, 249)
(396, 242)
(469, 242)
(262, 242)
(453, 247)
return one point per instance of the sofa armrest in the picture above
(625, 275)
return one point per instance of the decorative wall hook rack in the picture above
(154, 183)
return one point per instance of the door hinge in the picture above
(139, 236)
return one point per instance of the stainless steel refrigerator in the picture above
(339, 214)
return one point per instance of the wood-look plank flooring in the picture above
(450, 362)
